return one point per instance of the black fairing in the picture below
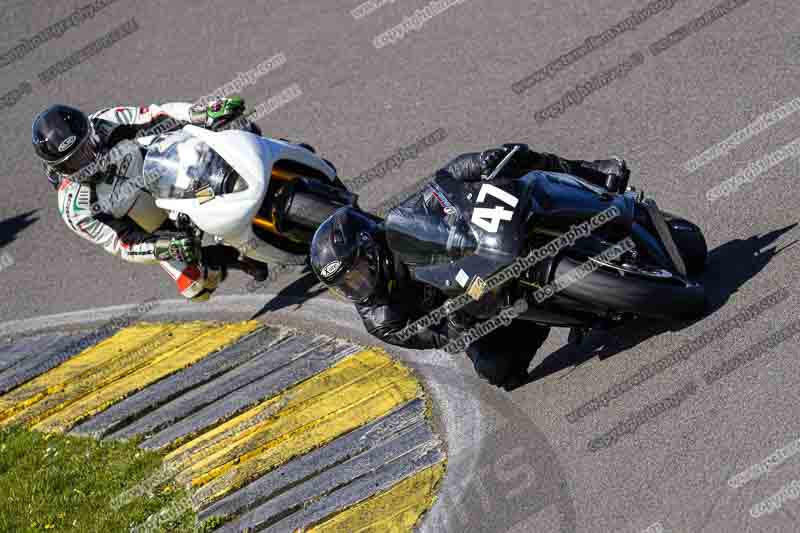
(562, 200)
(438, 232)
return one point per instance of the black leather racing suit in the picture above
(400, 300)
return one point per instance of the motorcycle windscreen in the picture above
(181, 166)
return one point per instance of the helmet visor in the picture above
(360, 280)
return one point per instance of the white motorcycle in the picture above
(262, 196)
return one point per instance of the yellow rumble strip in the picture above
(106, 357)
(396, 510)
(270, 428)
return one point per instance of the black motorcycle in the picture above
(457, 235)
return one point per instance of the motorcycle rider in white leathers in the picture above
(91, 178)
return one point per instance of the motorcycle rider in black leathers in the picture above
(350, 254)
(95, 163)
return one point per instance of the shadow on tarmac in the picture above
(11, 226)
(296, 293)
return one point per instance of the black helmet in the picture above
(63, 137)
(345, 254)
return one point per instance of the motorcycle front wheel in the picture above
(630, 290)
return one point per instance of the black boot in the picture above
(530, 336)
(502, 357)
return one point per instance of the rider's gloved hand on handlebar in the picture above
(217, 112)
(177, 246)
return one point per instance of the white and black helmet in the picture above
(63, 137)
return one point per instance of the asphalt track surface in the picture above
(360, 105)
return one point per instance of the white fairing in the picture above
(229, 217)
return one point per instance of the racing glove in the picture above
(217, 112)
(177, 246)
(490, 159)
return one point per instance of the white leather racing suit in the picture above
(117, 232)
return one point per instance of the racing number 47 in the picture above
(489, 219)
